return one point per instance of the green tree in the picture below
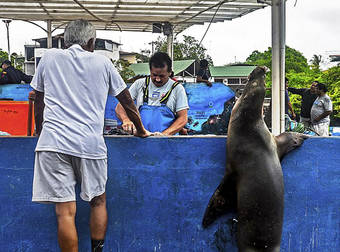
(189, 48)
(315, 62)
(143, 56)
(331, 78)
(3, 56)
(18, 60)
(301, 75)
(123, 68)
(295, 61)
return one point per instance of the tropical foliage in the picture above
(189, 48)
(123, 68)
(301, 75)
(16, 59)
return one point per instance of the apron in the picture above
(156, 118)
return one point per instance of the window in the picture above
(233, 81)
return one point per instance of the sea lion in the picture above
(253, 182)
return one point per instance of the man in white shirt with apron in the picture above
(75, 84)
(161, 101)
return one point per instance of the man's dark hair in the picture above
(286, 79)
(160, 60)
(7, 62)
(316, 82)
(322, 87)
(204, 63)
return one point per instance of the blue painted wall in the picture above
(158, 189)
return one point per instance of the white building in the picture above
(33, 53)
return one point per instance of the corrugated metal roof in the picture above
(178, 66)
(230, 71)
(128, 15)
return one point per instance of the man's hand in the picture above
(129, 127)
(316, 120)
(209, 84)
(293, 116)
(143, 134)
(31, 95)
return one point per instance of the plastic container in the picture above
(109, 124)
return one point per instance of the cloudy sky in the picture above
(313, 27)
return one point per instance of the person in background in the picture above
(11, 75)
(203, 74)
(74, 84)
(308, 96)
(321, 109)
(162, 102)
(288, 105)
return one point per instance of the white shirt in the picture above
(76, 84)
(321, 105)
(177, 100)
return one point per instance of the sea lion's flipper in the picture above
(288, 141)
(222, 201)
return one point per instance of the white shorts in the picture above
(56, 174)
(322, 129)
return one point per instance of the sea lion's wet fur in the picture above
(253, 182)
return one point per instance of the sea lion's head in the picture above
(253, 94)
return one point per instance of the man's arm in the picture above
(290, 107)
(127, 125)
(39, 106)
(131, 112)
(322, 116)
(199, 79)
(178, 124)
(298, 91)
(328, 110)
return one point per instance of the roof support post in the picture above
(49, 34)
(59, 43)
(278, 65)
(170, 41)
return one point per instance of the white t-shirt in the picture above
(177, 100)
(76, 84)
(321, 105)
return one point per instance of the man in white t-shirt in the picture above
(75, 84)
(321, 109)
(161, 101)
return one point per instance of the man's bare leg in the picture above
(67, 233)
(98, 222)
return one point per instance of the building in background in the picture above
(235, 76)
(33, 53)
(335, 57)
(130, 57)
(184, 70)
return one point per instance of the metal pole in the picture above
(278, 66)
(170, 40)
(282, 23)
(7, 21)
(49, 34)
(59, 43)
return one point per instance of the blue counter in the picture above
(157, 192)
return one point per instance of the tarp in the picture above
(16, 92)
(206, 102)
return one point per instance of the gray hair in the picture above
(79, 32)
